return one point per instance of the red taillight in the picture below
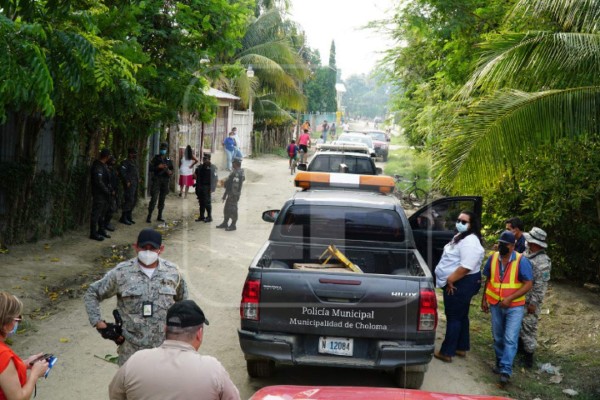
(427, 310)
(250, 299)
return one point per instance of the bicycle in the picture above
(412, 195)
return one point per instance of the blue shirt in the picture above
(525, 269)
(229, 143)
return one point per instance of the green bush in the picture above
(557, 188)
(408, 163)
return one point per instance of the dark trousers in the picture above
(129, 198)
(457, 314)
(99, 207)
(204, 200)
(159, 191)
(231, 209)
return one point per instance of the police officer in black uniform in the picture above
(130, 178)
(206, 183)
(101, 191)
(113, 204)
(161, 169)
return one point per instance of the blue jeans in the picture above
(506, 325)
(456, 308)
(229, 158)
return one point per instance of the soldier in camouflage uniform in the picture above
(145, 286)
(536, 253)
(101, 191)
(233, 191)
(129, 177)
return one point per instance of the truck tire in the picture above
(409, 379)
(260, 368)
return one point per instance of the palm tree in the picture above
(530, 88)
(278, 68)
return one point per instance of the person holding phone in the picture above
(14, 382)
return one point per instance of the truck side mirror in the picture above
(302, 167)
(270, 215)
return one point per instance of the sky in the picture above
(341, 20)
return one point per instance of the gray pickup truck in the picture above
(384, 317)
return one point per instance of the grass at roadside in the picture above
(579, 369)
(407, 163)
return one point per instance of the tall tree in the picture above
(536, 87)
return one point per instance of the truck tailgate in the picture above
(339, 304)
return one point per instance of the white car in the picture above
(357, 137)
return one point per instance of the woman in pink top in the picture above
(304, 144)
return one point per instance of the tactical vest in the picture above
(499, 287)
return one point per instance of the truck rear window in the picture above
(331, 163)
(349, 223)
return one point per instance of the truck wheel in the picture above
(409, 379)
(260, 368)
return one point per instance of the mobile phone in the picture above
(51, 361)
(42, 357)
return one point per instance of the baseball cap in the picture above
(507, 237)
(185, 313)
(149, 236)
(104, 153)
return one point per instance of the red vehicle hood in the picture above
(289, 392)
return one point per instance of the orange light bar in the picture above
(308, 180)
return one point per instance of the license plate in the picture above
(335, 345)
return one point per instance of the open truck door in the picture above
(433, 225)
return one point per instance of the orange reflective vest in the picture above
(499, 287)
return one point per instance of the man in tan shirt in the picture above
(175, 370)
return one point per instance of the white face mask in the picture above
(14, 329)
(462, 227)
(147, 257)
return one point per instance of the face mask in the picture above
(147, 257)
(460, 227)
(14, 329)
(503, 249)
(163, 152)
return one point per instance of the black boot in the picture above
(103, 232)
(124, 219)
(527, 359)
(223, 225)
(159, 218)
(130, 218)
(149, 217)
(94, 235)
(231, 227)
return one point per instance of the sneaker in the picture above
(443, 357)
(504, 379)
(461, 353)
(496, 369)
(208, 219)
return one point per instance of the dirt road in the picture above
(214, 263)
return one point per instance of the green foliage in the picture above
(366, 97)
(556, 187)
(409, 163)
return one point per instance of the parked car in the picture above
(380, 143)
(357, 137)
(347, 158)
(374, 307)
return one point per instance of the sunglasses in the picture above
(462, 221)
(18, 318)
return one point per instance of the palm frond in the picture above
(572, 16)
(533, 61)
(498, 130)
